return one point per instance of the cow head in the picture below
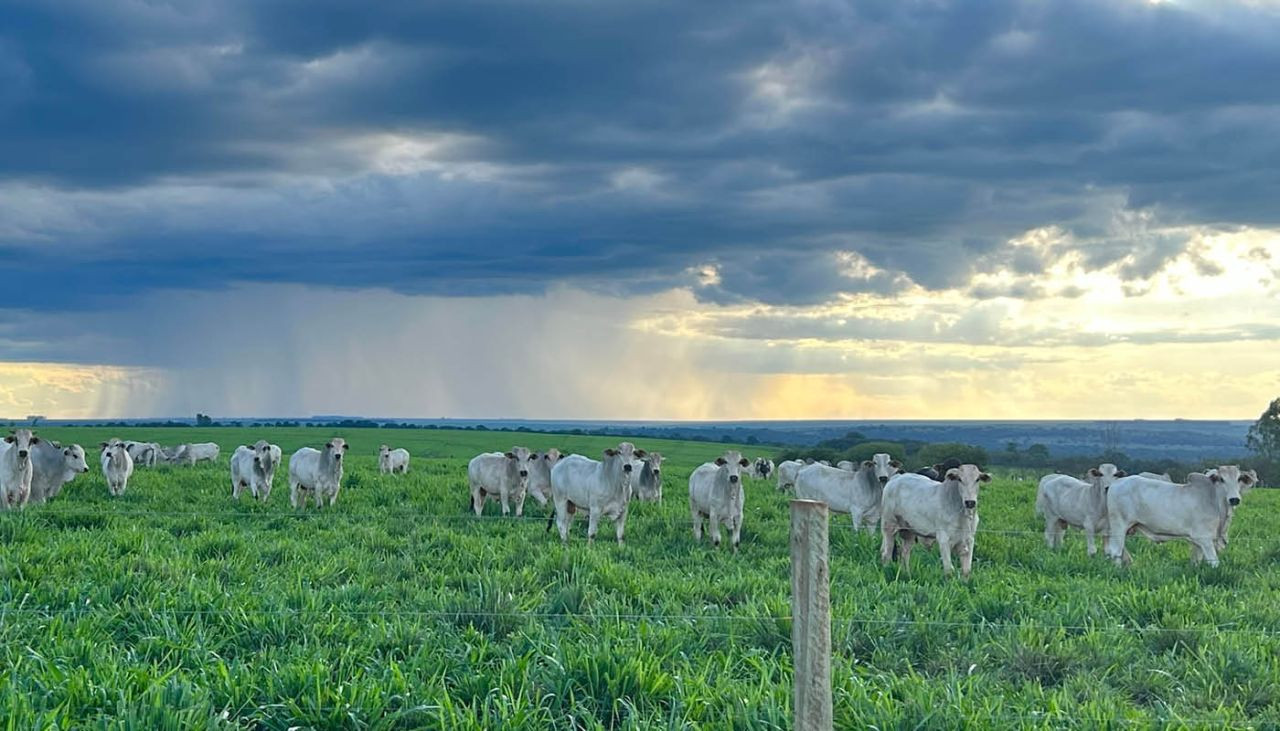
(1103, 475)
(763, 468)
(384, 450)
(650, 463)
(966, 479)
(115, 451)
(73, 458)
(550, 457)
(731, 464)
(21, 440)
(883, 467)
(518, 460)
(1229, 482)
(263, 456)
(335, 449)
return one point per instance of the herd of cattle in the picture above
(935, 505)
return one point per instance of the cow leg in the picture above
(593, 524)
(333, 495)
(966, 557)
(887, 533)
(1088, 537)
(1205, 544)
(1117, 528)
(520, 505)
(477, 499)
(944, 547)
(293, 493)
(265, 492)
(737, 534)
(908, 543)
(714, 528)
(235, 489)
(620, 525)
(503, 497)
(697, 523)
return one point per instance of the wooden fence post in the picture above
(810, 616)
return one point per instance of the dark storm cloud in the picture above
(619, 146)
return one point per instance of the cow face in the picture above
(731, 464)
(384, 450)
(1228, 480)
(763, 468)
(1104, 475)
(883, 467)
(519, 458)
(966, 478)
(262, 454)
(21, 441)
(73, 459)
(650, 489)
(336, 448)
(115, 451)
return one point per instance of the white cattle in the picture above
(143, 454)
(180, 455)
(1248, 480)
(1065, 501)
(716, 495)
(117, 466)
(540, 474)
(317, 471)
(254, 468)
(762, 468)
(646, 477)
(1164, 511)
(787, 472)
(16, 469)
(846, 465)
(857, 493)
(1163, 476)
(916, 507)
(500, 476)
(392, 461)
(202, 452)
(53, 466)
(602, 488)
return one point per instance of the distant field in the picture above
(175, 607)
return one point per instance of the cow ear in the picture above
(103, 445)
(66, 453)
(9, 439)
(1121, 473)
(984, 477)
(640, 453)
(345, 446)
(720, 462)
(743, 462)
(510, 455)
(35, 440)
(1246, 479)
(1215, 478)
(328, 445)
(895, 464)
(1095, 472)
(611, 452)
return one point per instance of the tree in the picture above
(1264, 436)
(1037, 455)
(204, 420)
(934, 453)
(863, 452)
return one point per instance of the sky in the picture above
(891, 209)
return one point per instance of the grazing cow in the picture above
(53, 466)
(915, 507)
(715, 494)
(787, 472)
(501, 477)
(1166, 511)
(936, 472)
(762, 468)
(602, 488)
(117, 466)
(857, 493)
(847, 465)
(646, 478)
(16, 469)
(143, 454)
(179, 455)
(254, 468)
(317, 471)
(1163, 476)
(1065, 501)
(202, 452)
(540, 474)
(392, 461)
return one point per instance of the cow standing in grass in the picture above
(318, 472)
(1164, 511)
(500, 476)
(646, 478)
(787, 471)
(52, 466)
(254, 469)
(539, 483)
(915, 507)
(117, 466)
(392, 461)
(602, 488)
(1065, 501)
(16, 469)
(716, 495)
(857, 492)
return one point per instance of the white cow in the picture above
(1163, 476)
(1248, 480)
(1065, 501)
(762, 468)
(1164, 511)
(846, 465)
(53, 466)
(317, 471)
(500, 476)
(143, 454)
(787, 472)
(117, 466)
(254, 468)
(540, 474)
(716, 495)
(857, 493)
(180, 455)
(16, 469)
(601, 488)
(916, 507)
(202, 452)
(646, 477)
(392, 461)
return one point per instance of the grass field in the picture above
(175, 607)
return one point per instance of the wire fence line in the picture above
(87, 610)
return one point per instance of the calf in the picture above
(143, 454)
(857, 493)
(1165, 511)
(317, 471)
(117, 466)
(202, 452)
(715, 494)
(787, 472)
(392, 461)
(602, 488)
(254, 468)
(16, 469)
(540, 474)
(53, 466)
(501, 477)
(646, 478)
(1065, 501)
(762, 468)
(915, 507)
